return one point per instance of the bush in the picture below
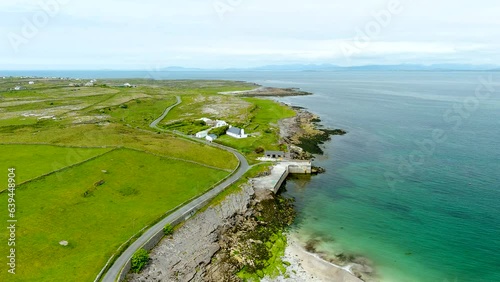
(139, 260)
(199, 123)
(219, 131)
(168, 230)
(259, 150)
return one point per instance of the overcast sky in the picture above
(132, 34)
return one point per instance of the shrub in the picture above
(219, 131)
(199, 123)
(259, 150)
(139, 260)
(168, 230)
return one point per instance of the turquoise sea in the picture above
(419, 209)
(413, 186)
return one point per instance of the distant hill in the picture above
(331, 67)
(401, 67)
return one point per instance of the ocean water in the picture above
(420, 208)
(414, 185)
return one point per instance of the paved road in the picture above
(154, 124)
(121, 261)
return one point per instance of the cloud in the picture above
(134, 34)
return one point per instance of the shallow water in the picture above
(441, 221)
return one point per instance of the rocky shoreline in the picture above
(217, 243)
(269, 92)
(304, 135)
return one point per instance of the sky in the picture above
(151, 34)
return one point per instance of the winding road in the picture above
(114, 272)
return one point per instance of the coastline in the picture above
(228, 227)
(305, 266)
(304, 134)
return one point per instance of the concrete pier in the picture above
(280, 172)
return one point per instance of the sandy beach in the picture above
(305, 267)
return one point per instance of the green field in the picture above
(95, 173)
(35, 160)
(263, 127)
(138, 188)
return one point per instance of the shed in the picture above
(275, 154)
(211, 137)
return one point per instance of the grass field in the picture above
(35, 160)
(138, 188)
(116, 175)
(263, 127)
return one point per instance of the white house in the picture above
(31, 82)
(206, 120)
(236, 132)
(220, 123)
(17, 88)
(127, 85)
(211, 137)
(89, 84)
(202, 134)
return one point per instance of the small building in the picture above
(202, 134)
(274, 154)
(220, 123)
(127, 85)
(89, 84)
(31, 82)
(206, 120)
(211, 137)
(236, 132)
(17, 88)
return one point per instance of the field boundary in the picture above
(179, 159)
(62, 169)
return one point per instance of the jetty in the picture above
(280, 172)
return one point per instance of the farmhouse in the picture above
(236, 132)
(275, 154)
(127, 85)
(31, 82)
(17, 88)
(220, 123)
(211, 137)
(206, 120)
(202, 134)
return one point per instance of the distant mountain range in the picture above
(330, 67)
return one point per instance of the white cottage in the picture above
(236, 132)
(202, 134)
(220, 123)
(211, 137)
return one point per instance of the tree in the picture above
(139, 260)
